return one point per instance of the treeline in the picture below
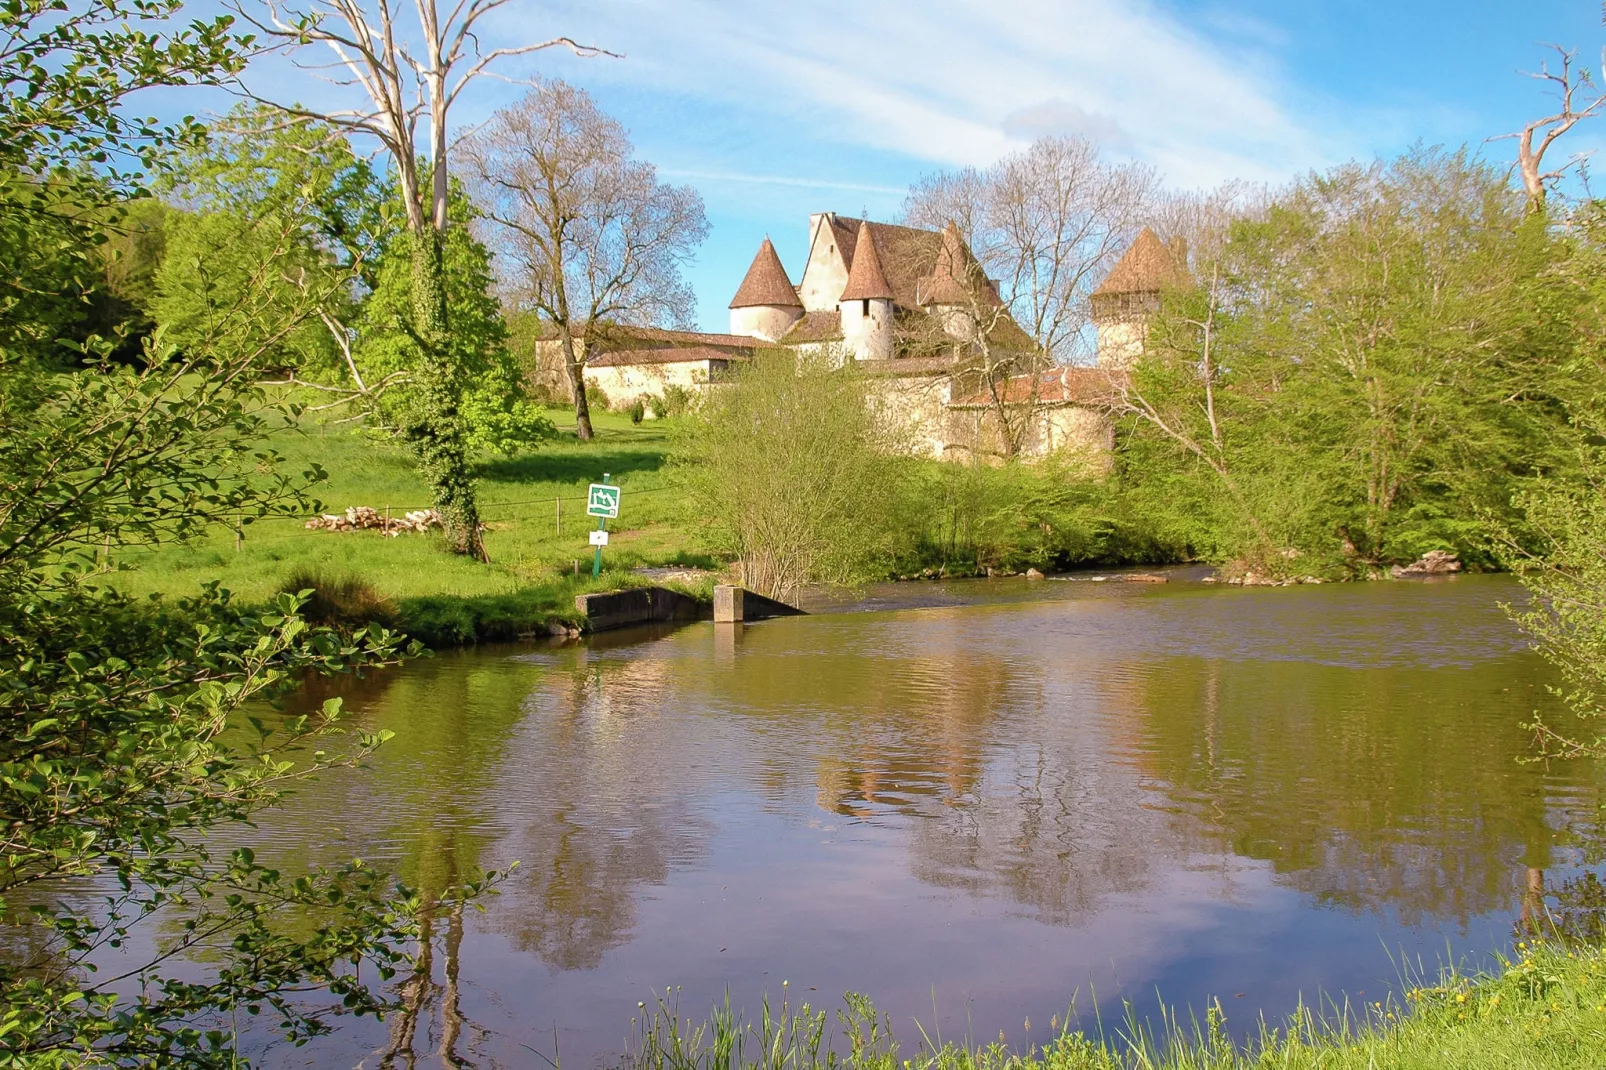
(1374, 362)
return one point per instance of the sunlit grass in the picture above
(1545, 1009)
(517, 498)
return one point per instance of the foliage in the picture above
(792, 472)
(1566, 574)
(494, 412)
(1371, 366)
(70, 154)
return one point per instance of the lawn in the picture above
(521, 498)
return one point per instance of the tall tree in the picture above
(402, 72)
(591, 237)
(1042, 227)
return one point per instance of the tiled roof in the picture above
(766, 282)
(905, 254)
(1061, 386)
(662, 355)
(815, 327)
(866, 280)
(1146, 267)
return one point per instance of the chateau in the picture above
(913, 309)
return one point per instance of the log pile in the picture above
(365, 518)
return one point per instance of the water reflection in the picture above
(1195, 788)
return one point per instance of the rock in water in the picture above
(1033, 574)
(1432, 563)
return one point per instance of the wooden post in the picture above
(558, 502)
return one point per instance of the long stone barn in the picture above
(913, 310)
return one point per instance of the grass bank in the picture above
(1543, 1010)
(533, 504)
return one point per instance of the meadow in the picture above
(533, 504)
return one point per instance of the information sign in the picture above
(603, 500)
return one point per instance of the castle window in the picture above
(867, 307)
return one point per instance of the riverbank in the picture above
(1545, 1009)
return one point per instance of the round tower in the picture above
(1130, 295)
(866, 303)
(766, 305)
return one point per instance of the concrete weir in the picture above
(646, 605)
(733, 604)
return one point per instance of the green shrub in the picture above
(344, 602)
(597, 398)
(638, 411)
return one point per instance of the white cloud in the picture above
(950, 81)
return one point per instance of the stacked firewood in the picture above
(364, 518)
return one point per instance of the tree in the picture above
(591, 237)
(790, 469)
(391, 72)
(1042, 227)
(69, 151)
(261, 173)
(1568, 84)
(1369, 368)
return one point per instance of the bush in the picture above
(597, 398)
(345, 602)
(638, 411)
(790, 470)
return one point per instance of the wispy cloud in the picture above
(951, 82)
(779, 180)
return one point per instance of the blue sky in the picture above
(774, 110)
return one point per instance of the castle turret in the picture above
(766, 305)
(866, 303)
(1130, 295)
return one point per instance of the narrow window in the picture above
(867, 308)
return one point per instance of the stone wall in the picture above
(624, 383)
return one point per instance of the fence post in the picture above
(558, 502)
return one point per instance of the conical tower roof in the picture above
(866, 280)
(766, 282)
(1146, 267)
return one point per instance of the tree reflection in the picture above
(1364, 788)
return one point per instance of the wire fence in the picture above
(243, 535)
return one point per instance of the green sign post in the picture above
(602, 502)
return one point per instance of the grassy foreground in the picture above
(1543, 1010)
(533, 504)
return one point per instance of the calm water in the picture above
(971, 812)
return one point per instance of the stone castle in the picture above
(913, 309)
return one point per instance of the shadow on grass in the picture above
(618, 455)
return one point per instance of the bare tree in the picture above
(591, 238)
(1042, 227)
(404, 74)
(1580, 99)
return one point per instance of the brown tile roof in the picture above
(611, 334)
(766, 282)
(866, 280)
(614, 345)
(1061, 386)
(616, 358)
(815, 327)
(1146, 267)
(905, 254)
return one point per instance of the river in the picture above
(976, 804)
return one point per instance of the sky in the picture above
(775, 110)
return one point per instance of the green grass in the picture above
(444, 598)
(1544, 1010)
